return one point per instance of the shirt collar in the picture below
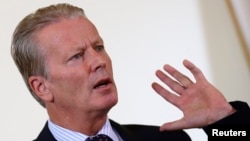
(63, 134)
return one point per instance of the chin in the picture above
(110, 102)
(113, 101)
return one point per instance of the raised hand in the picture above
(200, 102)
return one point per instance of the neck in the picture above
(86, 123)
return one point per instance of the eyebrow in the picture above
(98, 40)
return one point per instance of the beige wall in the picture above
(229, 63)
(140, 36)
(240, 12)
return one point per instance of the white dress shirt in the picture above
(63, 134)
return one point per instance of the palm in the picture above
(200, 102)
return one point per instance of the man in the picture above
(64, 64)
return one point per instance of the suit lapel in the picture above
(123, 132)
(45, 134)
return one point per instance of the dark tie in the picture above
(100, 137)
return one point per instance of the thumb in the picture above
(175, 125)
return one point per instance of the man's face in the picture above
(80, 73)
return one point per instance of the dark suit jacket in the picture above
(131, 133)
(152, 133)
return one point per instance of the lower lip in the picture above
(104, 87)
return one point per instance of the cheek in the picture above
(70, 84)
(69, 92)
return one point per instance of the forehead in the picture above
(67, 30)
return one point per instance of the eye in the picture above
(77, 56)
(99, 48)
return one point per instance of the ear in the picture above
(39, 86)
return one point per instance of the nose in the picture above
(97, 60)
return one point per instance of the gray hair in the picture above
(26, 51)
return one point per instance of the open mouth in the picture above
(102, 83)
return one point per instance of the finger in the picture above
(175, 125)
(198, 75)
(172, 98)
(173, 85)
(183, 79)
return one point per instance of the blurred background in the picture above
(140, 36)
